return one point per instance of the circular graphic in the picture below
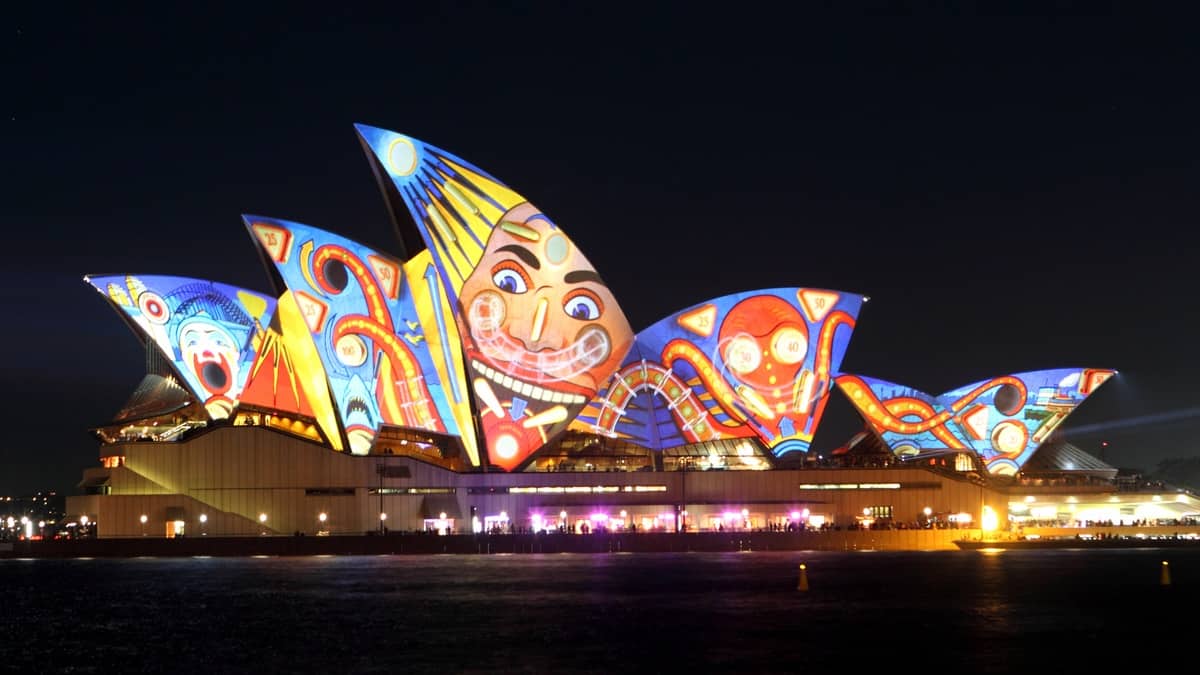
(742, 354)
(351, 350)
(1003, 467)
(557, 249)
(153, 307)
(1009, 437)
(789, 345)
(335, 274)
(402, 157)
(1008, 399)
(506, 447)
(487, 312)
(592, 345)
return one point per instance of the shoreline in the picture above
(490, 544)
(1078, 543)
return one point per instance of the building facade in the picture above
(490, 381)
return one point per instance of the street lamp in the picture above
(624, 522)
(746, 518)
(322, 517)
(203, 522)
(562, 519)
(262, 520)
(382, 522)
(143, 519)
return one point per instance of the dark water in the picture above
(1031, 612)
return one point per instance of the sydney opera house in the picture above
(487, 378)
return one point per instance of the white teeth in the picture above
(529, 391)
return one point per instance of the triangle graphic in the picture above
(976, 420)
(816, 304)
(275, 240)
(313, 311)
(388, 274)
(700, 321)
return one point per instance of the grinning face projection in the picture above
(212, 353)
(542, 333)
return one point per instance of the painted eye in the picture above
(510, 279)
(582, 306)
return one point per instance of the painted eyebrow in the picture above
(580, 276)
(523, 253)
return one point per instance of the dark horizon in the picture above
(1012, 192)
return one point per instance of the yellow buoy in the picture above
(803, 584)
(1166, 573)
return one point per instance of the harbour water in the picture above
(962, 611)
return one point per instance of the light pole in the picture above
(143, 520)
(203, 524)
(382, 523)
(262, 520)
(562, 518)
(322, 517)
(624, 519)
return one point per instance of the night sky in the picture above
(1013, 192)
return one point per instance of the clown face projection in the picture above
(212, 353)
(542, 333)
(210, 332)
